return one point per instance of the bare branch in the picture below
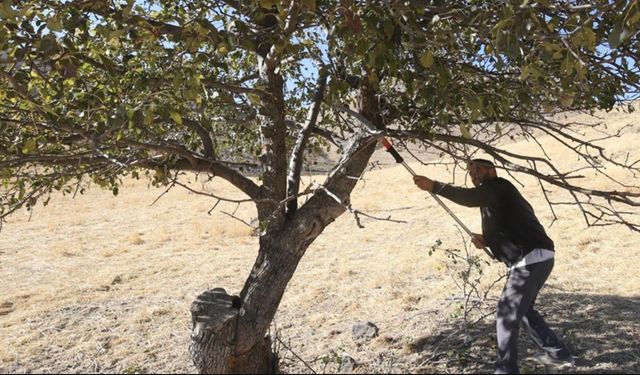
(363, 120)
(297, 154)
(210, 195)
(593, 212)
(204, 135)
(356, 213)
(233, 216)
(328, 135)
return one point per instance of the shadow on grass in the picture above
(602, 331)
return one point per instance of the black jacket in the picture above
(509, 225)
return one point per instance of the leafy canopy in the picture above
(106, 89)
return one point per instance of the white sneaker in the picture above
(547, 360)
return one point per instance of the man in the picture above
(515, 236)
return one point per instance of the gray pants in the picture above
(515, 306)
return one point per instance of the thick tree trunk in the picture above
(215, 317)
(229, 332)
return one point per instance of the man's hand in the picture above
(478, 241)
(423, 182)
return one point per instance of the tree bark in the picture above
(214, 315)
(229, 332)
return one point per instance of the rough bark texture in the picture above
(281, 252)
(229, 333)
(214, 315)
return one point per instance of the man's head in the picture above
(481, 170)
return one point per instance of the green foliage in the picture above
(106, 88)
(466, 267)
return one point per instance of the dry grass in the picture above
(104, 284)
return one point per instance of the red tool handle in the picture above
(389, 147)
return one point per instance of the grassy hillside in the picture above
(103, 284)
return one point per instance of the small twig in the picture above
(214, 207)
(210, 195)
(296, 355)
(163, 193)
(237, 218)
(363, 120)
(356, 213)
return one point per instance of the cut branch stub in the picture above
(215, 315)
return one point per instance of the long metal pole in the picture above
(389, 147)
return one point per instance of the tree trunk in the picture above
(228, 334)
(215, 315)
(228, 331)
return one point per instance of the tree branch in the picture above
(204, 135)
(297, 154)
(558, 179)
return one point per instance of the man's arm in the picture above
(480, 196)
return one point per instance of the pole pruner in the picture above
(390, 149)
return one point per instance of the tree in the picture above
(94, 91)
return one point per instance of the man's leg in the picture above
(544, 337)
(518, 295)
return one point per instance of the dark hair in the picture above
(483, 162)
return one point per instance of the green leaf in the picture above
(589, 38)
(267, 3)
(501, 25)
(54, 23)
(426, 59)
(547, 106)
(6, 11)
(488, 49)
(614, 38)
(573, 21)
(566, 99)
(29, 146)
(176, 117)
(254, 99)
(223, 48)
(126, 11)
(464, 129)
(567, 65)
(115, 34)
(148, 116)
(49, 45)
(389, 29)
(526, 71)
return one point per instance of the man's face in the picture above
(479, 173)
